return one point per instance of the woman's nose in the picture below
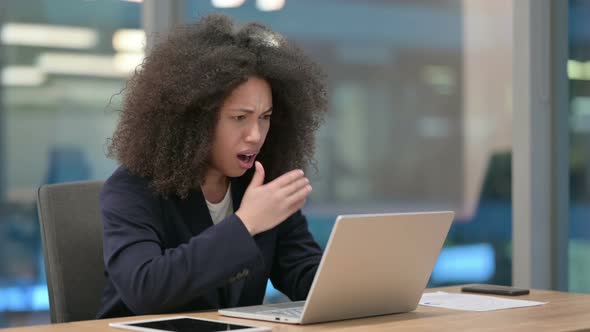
(253, 134)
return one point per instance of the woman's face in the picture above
(244, 120)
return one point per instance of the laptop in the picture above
(374, 264)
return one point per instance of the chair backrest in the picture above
(71, 232)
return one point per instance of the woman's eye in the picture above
(266, 117)
(239, 117)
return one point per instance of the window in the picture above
(579, 210)
(61, 61)
(420, 116)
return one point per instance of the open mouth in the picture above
(247, 158)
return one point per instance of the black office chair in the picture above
(71, 232)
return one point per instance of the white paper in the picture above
(472, 302)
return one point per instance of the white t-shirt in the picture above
(221, 210)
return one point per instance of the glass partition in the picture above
(420, 116)
(61, 62)
(579, 114)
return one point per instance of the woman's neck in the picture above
(214, 186)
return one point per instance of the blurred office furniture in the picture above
(71, 232)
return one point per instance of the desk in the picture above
(564, 312)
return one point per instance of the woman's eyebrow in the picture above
(247, 110)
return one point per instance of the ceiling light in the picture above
(270, 5)
(22, 76)
(45, 35)
(78, 64)
(227, 3)
(128, 62)
(129, 40)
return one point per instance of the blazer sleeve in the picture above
(297, 258)
(151, 279)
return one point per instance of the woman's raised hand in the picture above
(266, 205)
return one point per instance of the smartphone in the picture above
(495, 289)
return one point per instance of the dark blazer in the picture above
(165, 255)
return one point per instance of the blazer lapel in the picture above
(196, 212)
(238, 188)
(235, 288)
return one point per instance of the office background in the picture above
(421, 118)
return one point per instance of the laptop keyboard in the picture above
(287, 312)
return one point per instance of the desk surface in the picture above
(564, 312)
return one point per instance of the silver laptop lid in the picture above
(376, 264)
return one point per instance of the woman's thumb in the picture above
(258, 178)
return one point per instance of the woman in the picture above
(215, 129)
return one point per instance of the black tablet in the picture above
(186, 324)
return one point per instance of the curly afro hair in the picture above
(171, 103)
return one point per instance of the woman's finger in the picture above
(293, 187)
(286, 179)
(301, 194)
